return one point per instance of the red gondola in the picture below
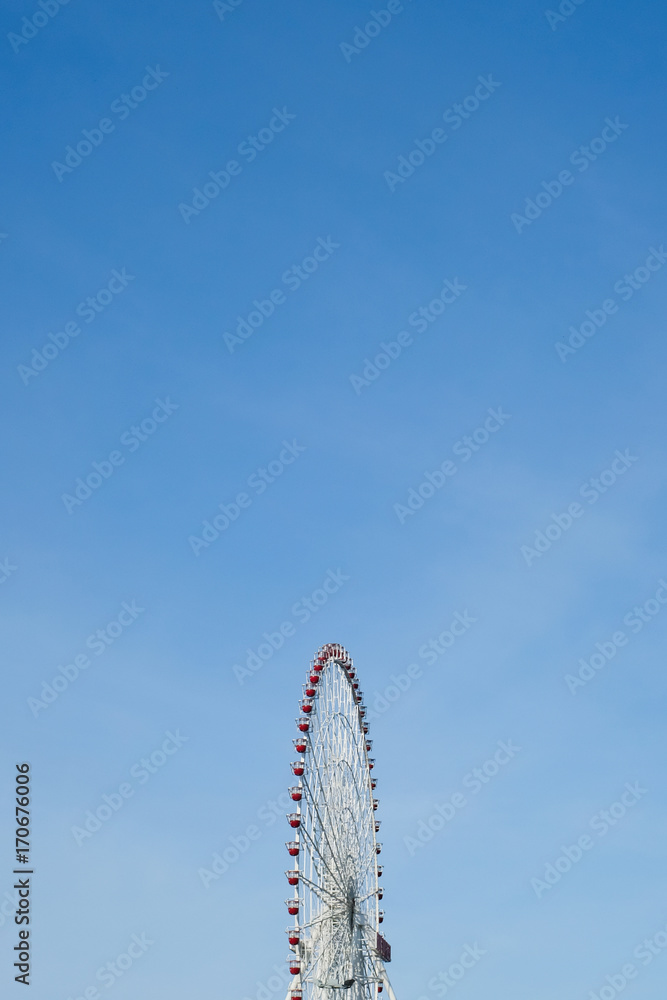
(378, 848)
(300, 744)
(369, 746)
(303, 724)
(309, 692)
(314, 678)
(296, 793)
(298, 767)
(307, 707)
(371, 763)
(294, 966)
(294, 820)
(380, 893)
(293, 936)
(293, 848)
(374, 783)
(292, 907)
(376, 803)
(380, 869)
(293, 877)
(377, 825)
(380, 916)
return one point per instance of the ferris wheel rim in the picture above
(336, 939)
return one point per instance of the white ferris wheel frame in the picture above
(337, 950)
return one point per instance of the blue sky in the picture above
(151, 353)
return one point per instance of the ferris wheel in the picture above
(337, 950)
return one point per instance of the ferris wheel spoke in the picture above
(326, 895)
(338, 952)
(316, 852)
(323, 830)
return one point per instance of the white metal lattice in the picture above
(337, 951)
